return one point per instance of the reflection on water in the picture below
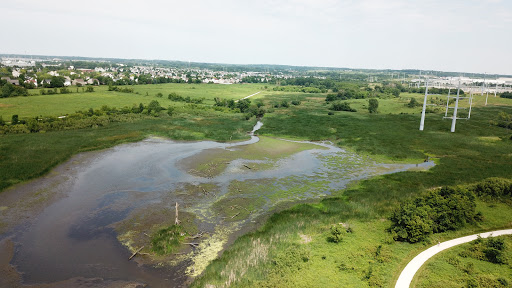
(73, 237)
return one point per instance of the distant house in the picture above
(79, 82)
(12, 81)
(67, 81)
(33, 81)
(92, 81)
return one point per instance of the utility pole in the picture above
(422, 121)
(454, 118)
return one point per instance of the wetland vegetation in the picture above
(293, 246)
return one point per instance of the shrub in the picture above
(506, 95)
(373, 105)
(154, 106)
(440, 210)
(413, 103)
(495, 188)
(337, 233)
(14, 119)
(165, 240)
(342, 106)
(170, 111)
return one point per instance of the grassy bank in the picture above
(292, 249)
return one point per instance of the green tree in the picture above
(154, 106)
(243, 105)
(57, 81)
(373, 105)
(170, 110)
(14, 119)
(413, 103)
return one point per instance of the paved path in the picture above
(408, 273)
(249, 96)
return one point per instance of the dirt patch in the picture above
(5, 105)
(305, 238)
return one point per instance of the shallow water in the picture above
(74, 236)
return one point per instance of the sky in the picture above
(448, 35)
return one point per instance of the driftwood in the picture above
(235, 215)
(177, 221)
(247, 167)
(146, 234)
(198, 235)
(133, 255)
(192, 244)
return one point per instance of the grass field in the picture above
(62, 104)
(291, 247)
(453, 268)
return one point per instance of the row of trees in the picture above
(9, 90)
(80, 119)
(507, 95)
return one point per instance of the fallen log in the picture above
(192, 244)
(133, 255)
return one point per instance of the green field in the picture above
(62, 104)
(456, 267)
(291, 247)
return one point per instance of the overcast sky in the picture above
(449, 35)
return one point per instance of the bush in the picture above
(337, 233)
(170, 111)
(167, 239)
(342, 106)
(14, 119)
(495, 188)
(159, 95)
(373, 105)
(296, 102)
(507, 95)
(413, 103)
(89, 89)
(440, 210)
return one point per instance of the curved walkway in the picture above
(408, 273)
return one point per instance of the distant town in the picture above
(53, 72)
